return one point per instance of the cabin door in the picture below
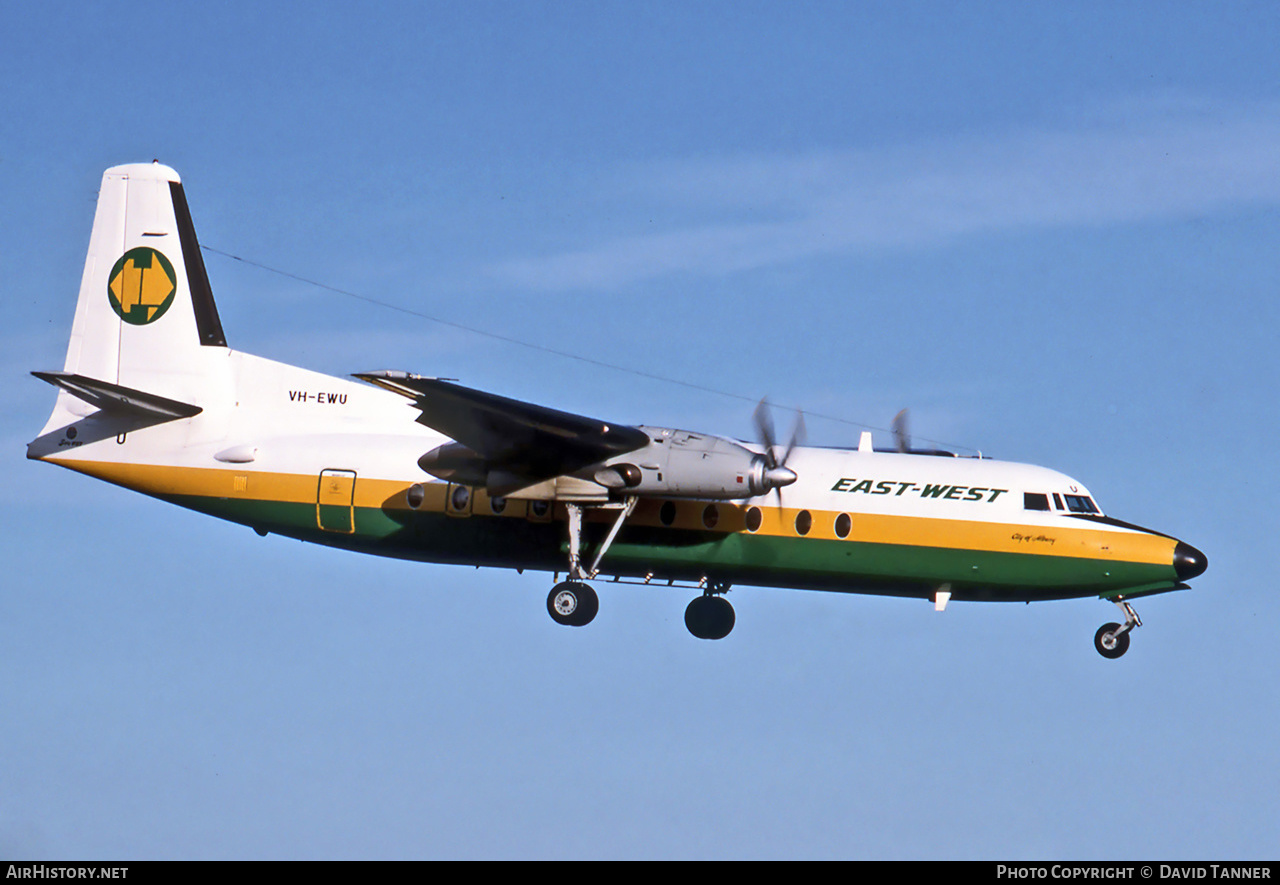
(335, 501)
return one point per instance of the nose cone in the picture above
(1188, 562)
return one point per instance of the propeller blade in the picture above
(764, 429)
(900, 434)
(797, 438)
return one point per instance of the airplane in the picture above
(151, 398)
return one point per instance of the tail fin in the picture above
(146, 317)
(146, 345)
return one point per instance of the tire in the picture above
(572, 603)
(709, 617)
(1108, 644)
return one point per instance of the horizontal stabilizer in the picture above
(516, 438)
(114, 398)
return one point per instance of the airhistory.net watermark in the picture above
(59, 871)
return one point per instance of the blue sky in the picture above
(1050, 229)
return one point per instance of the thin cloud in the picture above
(1171, 162)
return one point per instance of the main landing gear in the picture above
(1112, 640)
(710, 616)
(574, 603)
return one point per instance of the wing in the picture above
(523, 442)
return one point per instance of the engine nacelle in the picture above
(675, 464)
(683, 464)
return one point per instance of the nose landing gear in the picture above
(1112, 640)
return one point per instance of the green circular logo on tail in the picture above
(142, 286)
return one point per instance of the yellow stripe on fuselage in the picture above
(1066, 539)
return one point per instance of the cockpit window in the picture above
(1035, 501)
(1080, 504)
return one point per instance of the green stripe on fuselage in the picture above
(682, 554)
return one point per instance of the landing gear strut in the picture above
(573, 602)
(1112, 640)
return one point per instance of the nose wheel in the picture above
(1112, 640)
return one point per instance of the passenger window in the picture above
(710, 516)
(415, 495)
(1035, 501)
(843, 525)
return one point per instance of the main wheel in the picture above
(1110, 644)
(709, 617)
(572, 603)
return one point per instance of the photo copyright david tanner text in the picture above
(1134, 871)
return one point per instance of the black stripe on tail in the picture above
(208, 324)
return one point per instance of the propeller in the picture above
(776, 472)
